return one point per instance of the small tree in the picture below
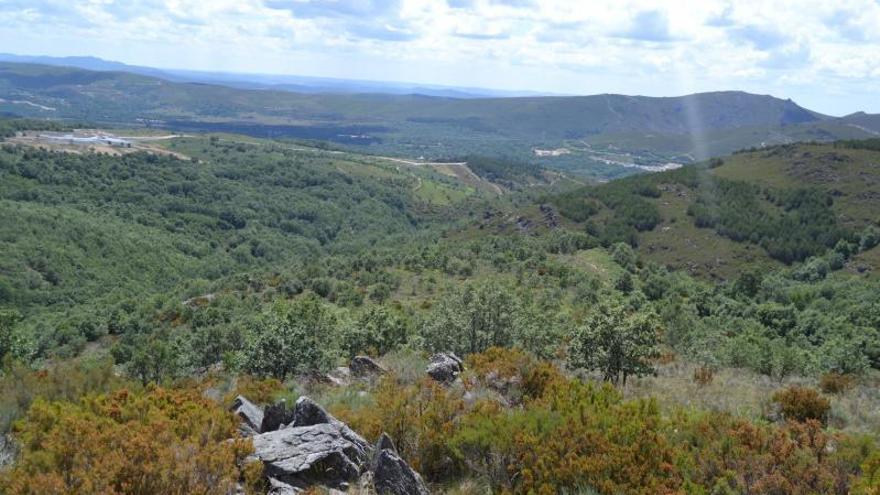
(377, 331)
(8, 320)
(472, 319)
(615, 342)
(870, 237)
(291, 338)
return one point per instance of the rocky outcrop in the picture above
(445, 367)
(314, 448)
(308, 455)
(393, 476)
(364, 367)
(251, 416)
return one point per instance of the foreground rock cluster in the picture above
(306, 446)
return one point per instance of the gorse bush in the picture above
(158, 441)
(521, 426)
(21, 385)
(802, 404)
(835, 383)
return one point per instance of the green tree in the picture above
(152, 360)
(8, 320)
(472, 319)
(377, 331)
(624, 255)
(616, 342)
(291, 338)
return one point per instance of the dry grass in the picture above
(748, 394)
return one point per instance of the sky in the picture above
(823, 54)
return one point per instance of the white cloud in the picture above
(799, 48)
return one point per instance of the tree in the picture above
(616, 342)
(377, 331)
(624, 256)
(8, 319)
(472, 319)
(870, 237)
(291, 338)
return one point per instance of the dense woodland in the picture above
(135, 287)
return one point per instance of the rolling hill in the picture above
(763, 208)
(601, 136)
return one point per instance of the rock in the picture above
(308, 455)
(445, 367)
(277, 487)
(8, 450)
(333, 378)
(251, 416)
(385, 443)
(307, 412)
(276, 416)
(365, 366)
(392, 475)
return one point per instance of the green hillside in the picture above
(141, 291)
(600, 136)
(92, 229)
(760, 208)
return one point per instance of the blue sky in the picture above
(824, 55)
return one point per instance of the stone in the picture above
(251, 416)
(276, 416)
(308, 455)
(365, 366)
(307, 412)
(385, 443)
(393, 476)
(445, 367)
(277, 487)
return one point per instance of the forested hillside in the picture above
(776, 206)
(711, 329)
(599, 136)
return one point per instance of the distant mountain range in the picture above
(602, 136)
(299, 84)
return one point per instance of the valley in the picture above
(647, 133)
(673, 321)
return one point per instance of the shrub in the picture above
(836, 383)
(257, 390)
(419, 418)
(20, 385)
(802, 404)
(703, 375)
(159, 441)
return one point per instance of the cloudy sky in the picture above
(823, 54)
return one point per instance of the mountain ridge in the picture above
(599, 136)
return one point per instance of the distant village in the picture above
(101, 139)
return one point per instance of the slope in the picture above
(754, 209)
(648, 131)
